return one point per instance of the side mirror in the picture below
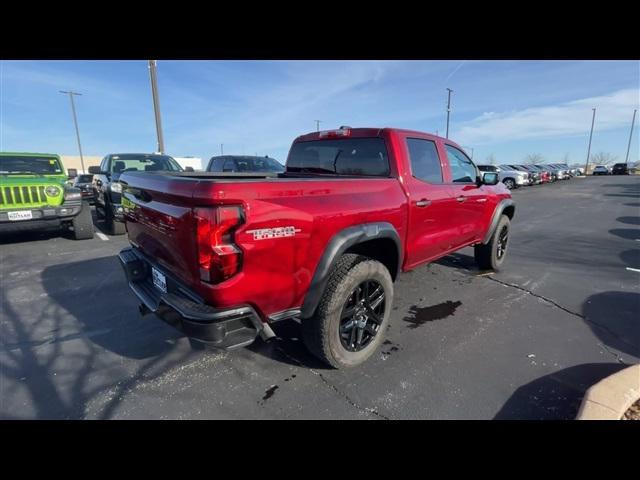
(95, 170)
(490, 178)
(72, 173)
(189, 169)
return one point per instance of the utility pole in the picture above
(630, 135)
(593, 119)
(75, 122)
(156, 103)
(317, 125)
(448, 109)
(221, 149)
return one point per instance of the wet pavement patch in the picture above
(418, 316)
(269, 392)
(388, 347)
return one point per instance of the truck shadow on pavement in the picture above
(8, 238)
(626, 233)
(629, 220)
(95, 293)
(56, 352)
(613, 318)
(556, 396)
(288, 347)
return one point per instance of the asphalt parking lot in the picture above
(524, 343)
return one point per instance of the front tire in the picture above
(83, 224)
(114, 227)
(353, 314)
(491, 255)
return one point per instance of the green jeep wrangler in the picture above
(34, 194)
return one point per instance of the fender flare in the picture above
(339, 244)
(497, 213)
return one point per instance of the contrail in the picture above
(456, 69)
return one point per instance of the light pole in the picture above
(630, 135)
(75, 122)
(221, 149)
(593, 119)
(317, 125)
(448, 109)
(156, 103)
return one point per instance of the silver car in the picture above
(509, 176)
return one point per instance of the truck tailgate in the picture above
(160, 221)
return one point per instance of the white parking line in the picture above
(633, 269)
(102, 236)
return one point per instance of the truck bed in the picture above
(161, 223)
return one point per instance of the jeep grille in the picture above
(22, 196)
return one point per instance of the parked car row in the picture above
(516, 175)
(617, 169)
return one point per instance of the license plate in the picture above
(159, 280)
(23, 215)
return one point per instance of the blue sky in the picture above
(505, 108)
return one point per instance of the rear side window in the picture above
(216, 165)
(462, 169)
(229, 165)
(350, 156)
(425, 163)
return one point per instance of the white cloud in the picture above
(570, 118)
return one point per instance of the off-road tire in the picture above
(486, 256)
(83, 224)
(321, 332)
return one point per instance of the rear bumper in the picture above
(182, 309)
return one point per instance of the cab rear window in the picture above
(349, 156)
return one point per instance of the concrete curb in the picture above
(610, 398)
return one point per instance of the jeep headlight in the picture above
(72, 196)
(52, 191)
(116, 187)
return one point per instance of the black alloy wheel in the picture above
(362, 315)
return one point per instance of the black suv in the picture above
(244, 163)
(108, 190)
(620, 169)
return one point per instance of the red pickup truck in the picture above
(221, 256)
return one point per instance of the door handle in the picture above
(423, 203)
(461, 199)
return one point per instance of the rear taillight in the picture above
(218, 257)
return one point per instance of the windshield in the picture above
(351, 156)
(487, 168)
(30, 164)
(84, 179)
(143, 163)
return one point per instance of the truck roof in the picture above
(370, 132)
